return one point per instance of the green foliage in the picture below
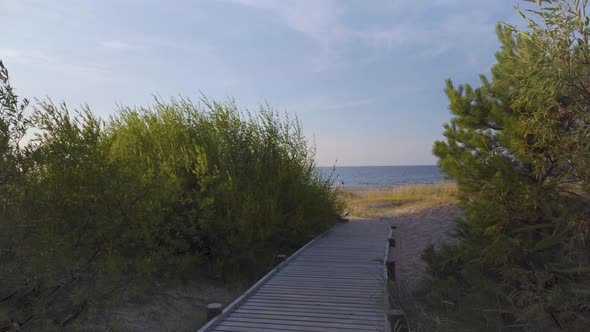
(156, 192)
(13, 156)
(519, 148)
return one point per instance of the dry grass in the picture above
(387, 202)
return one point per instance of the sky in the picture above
(366, 78)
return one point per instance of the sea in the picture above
(382, 176)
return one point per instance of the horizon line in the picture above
(375, 165)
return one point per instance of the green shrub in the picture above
(156, 192)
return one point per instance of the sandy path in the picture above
(416, 230)
(176, 308)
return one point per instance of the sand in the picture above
(172, 307)
(416, 230)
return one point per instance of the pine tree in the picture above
(518, 147)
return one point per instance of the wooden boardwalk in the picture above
(334, 283)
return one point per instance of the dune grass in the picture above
(382, 202)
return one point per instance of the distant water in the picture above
(382, 176)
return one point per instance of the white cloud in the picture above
(24, 56)
(318, 20)
(9, 53)
(13, 56)
(409, 23)
(315, 18)
(116, 45)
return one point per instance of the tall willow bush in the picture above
(165, 191)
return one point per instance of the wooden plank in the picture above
(253, 327)
(327, 286)
(340, 281)
(312, 306)
(326, 304)
(321, 302)
(309, 313)
(327, 281)
(319, 289)
(329, 254)
(369, 272)
(356, 252)
(329, 268)
(313, 275)
(333, 267)
(231, 326)
(353, 312)
(312, 287)
(326, 291)
(374, 279)
(345, 262)
(333, 272)
(373, 274)
(371, 308)
(365, 296)
(342, 251)
(313, 299)
(306, 318)
(261, 326)
(336, 325)
(351, 278)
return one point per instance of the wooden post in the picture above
(396, 315)
(391, 269)
(392, 242)
(213, 309)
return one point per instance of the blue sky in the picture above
(366, 78)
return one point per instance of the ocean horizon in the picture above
(382, 176)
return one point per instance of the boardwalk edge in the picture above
(386, 279)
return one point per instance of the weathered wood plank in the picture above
(323, 276)
(326, 282)
(300, 304)
(326, 303)
(308, 313)
(316, 299)
(239, 320)
(317, 290)
(305, 318)
(253, 327)
(306, 309)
